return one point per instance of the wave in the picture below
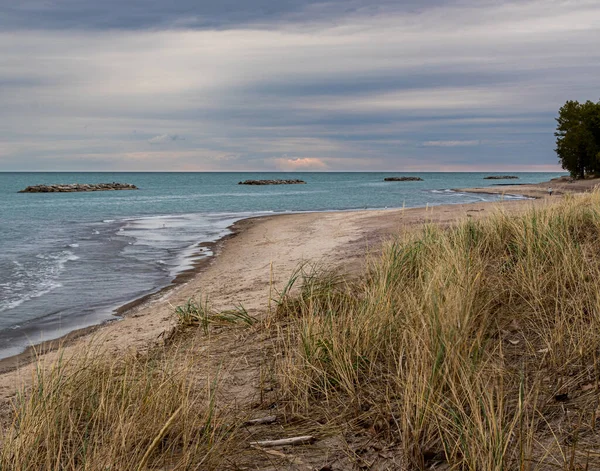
(43, 288)
(34, 278)
(445, 191)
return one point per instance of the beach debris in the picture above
(269, 419)
(303, 440)
(501, 177)
(272, 182)
(74, 187)
(402, 179)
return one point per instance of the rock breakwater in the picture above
(73, 187)
(272, 182)
(403, 179)
(501, 177)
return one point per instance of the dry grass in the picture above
(472, 348)
(134, 413)
(198, 312)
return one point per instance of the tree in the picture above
(578, 137)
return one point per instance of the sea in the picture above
(69, 260)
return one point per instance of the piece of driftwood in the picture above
(269, 419)
(285, 441)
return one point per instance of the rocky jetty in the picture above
(73, 187)
(403, 179)
(501, 177)
(272, 182)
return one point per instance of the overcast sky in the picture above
(337, 85)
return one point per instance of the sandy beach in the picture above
(256, 262)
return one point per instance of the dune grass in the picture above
(198, 312)
(130, 413)
(475, 347)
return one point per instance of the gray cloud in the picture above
(451, 143)
(163, 138)
(306, 86)
(198, 14)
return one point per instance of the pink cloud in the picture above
(301, 163)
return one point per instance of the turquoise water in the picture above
(67, 260)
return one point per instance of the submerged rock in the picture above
(403, 179)
(73, 187)
(501, 177)
(272, 182)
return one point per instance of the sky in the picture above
(286, 85)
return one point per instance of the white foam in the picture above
(46, 287)
(37, 281)
(446, 191)
(172, 240)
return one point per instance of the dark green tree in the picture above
(578, 137)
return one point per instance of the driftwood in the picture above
(306, 439)
(269, 419)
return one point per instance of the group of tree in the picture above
(578, 138)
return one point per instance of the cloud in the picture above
(197, 14)
(162, 138)
(451, 143)
(301, 163)
(356, 85)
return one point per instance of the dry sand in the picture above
(259, 259)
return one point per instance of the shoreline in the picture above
(130, 309)
(121, 311)
(28, 355)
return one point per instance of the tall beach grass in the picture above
(474, 347)
(104, 413)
